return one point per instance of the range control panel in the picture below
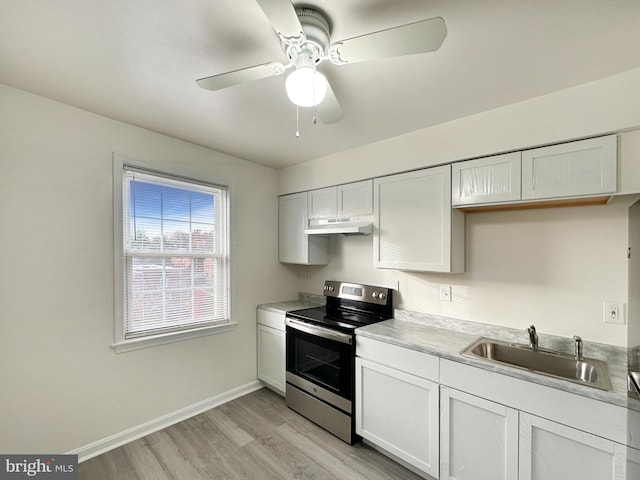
(355, 291)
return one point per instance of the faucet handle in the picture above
(533, 337)
(578, 341)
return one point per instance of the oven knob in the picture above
(375, 295)
(379, 295)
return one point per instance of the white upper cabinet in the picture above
(355, 199)
(323, 203)
(486, 180)
(294, 246)
(586, 167)
(415, 227)
(585, 171)
(349, 200)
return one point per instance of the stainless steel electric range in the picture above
(320, 353)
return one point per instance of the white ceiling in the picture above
(137, 61)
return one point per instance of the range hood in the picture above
(345, 226)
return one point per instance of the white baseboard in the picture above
(109, 443)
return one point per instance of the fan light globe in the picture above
(306, 87)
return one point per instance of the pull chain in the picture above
(314, 121)
(297, 121)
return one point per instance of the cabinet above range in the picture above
(306, 218)
(345, 209)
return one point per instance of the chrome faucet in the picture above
(578, 341)
(533, 337)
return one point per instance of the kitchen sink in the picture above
(585, 371)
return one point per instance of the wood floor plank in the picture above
(172, 457)
(255, 437)
(144, 463)
(229, 428)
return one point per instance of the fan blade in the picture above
(284, 20)
(329, 110)
(224, 80)
(419, 37)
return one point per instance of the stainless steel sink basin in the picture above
(585, 371)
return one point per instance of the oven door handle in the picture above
(319, 331)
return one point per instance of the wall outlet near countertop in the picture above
(613, 312)
(445, 293)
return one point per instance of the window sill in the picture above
(138, 343)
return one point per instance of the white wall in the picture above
(63, 386)
(550, 267)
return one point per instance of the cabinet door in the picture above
(551, 451)
(271, 357)
(294, 246)
(586, 167)
(355, 199)
(398, 412)
(415, 226)
(633, 464)
(486, 180)
(323, 203)
(478, 438)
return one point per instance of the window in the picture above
(174, 258)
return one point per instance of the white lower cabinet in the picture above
(551, 451)
(478, 438)
(452, 421)
(398, 412)
(271, 349)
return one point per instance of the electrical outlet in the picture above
(445, 293)
(613, 312)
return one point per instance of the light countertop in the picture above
(446, 338)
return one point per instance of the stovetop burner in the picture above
(340, 320)
(349, 306)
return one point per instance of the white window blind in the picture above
(176, 254)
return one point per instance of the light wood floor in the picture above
(252, 437)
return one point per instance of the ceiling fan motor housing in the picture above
(317, 35)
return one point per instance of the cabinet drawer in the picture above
(271, 319)
(404, 359)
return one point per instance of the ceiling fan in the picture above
(305, 38)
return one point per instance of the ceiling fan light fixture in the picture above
(306, 87)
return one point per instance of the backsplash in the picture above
(611, 354)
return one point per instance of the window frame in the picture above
(121, 343)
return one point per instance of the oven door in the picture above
(321, 362)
